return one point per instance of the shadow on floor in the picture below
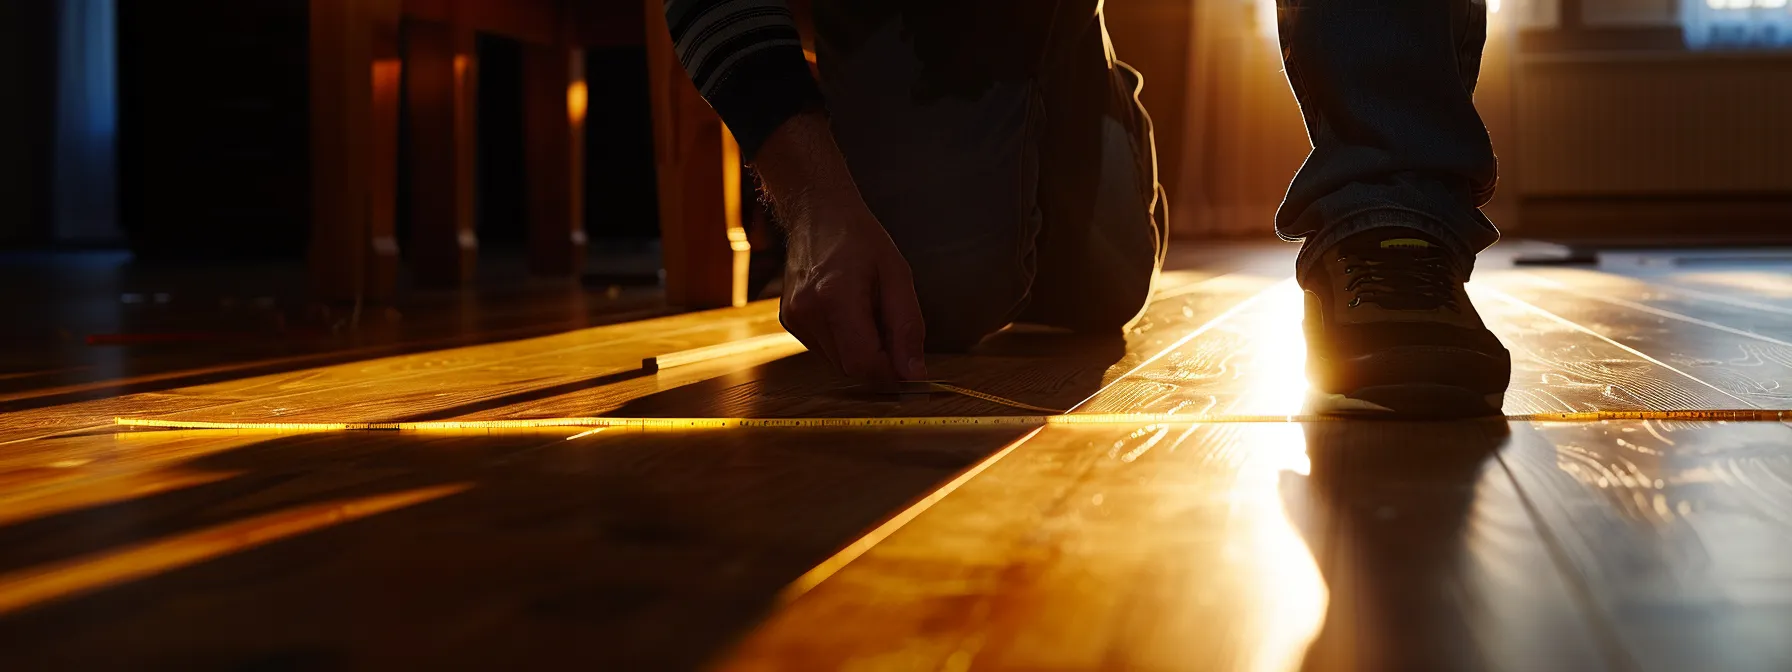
(619, 550)
(1039, 368)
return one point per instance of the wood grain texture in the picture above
(1559, 364)
(1432, 557)
(1051, 370)
(614, 551)
(1743, 350)
(1203, 547)
(50, 374)
(1012, 363)
(1434, 560)
(433, 380)
(1334, 545)
(1766, 288)
(1249, 364)
(1677, 530)
(430, 388)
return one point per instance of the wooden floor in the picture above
(1257, 539)
(86, 326)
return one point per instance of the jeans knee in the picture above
(964, 304)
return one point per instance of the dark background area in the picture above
(27, 76)
(213, 126)
(213, 162)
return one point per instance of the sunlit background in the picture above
(1595, 107)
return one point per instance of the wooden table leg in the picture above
(555, 101)
(341, 64)
(443, 70)
(382, 231)
(704, 247)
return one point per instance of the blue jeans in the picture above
(1386, 88)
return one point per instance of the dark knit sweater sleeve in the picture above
(746, 58)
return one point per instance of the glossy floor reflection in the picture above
(1274, 544)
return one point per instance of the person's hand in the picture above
(848, 293)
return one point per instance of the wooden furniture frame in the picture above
(360, 70)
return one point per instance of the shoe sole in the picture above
(1408, 401)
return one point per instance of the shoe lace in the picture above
(1401, 279)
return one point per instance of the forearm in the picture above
(800, 164)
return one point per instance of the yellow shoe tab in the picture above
(1404, 242)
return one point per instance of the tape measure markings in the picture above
(1721, 415)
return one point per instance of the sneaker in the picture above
(1390, 331)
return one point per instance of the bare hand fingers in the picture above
(904, 330)
(803, 318)
(856, 339)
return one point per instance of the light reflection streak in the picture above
(1763, 283)
(36, 585)
(814, 577)
(578, 99)
(1275, 378)
(1291, 595)
(59, 495)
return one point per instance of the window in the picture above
(1720, 24)
(1554, 25)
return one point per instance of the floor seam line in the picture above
(1609, 641)
(864, 543)
(1662, 312)
(1503, 296)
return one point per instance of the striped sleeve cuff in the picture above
(746, 58)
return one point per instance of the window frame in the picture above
(1572, 34)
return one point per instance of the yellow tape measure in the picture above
(926, 421)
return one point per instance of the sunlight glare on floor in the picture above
(1290, 592)
(1761, 283)
(1274, 370)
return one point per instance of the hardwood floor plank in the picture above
(967, 582)
(1253, 364)
(1330, 545)
(476, 381)
(1042, 369)
(1767, 287)
(1245, 361)
(395, 387)
(42, 422)
(1434, 562)
(1203, 547)
(160, 367)
(1679, 530)
(184, 482)
(1560, 364)
(1745, 352)
(618, 550)
(1130, 547)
